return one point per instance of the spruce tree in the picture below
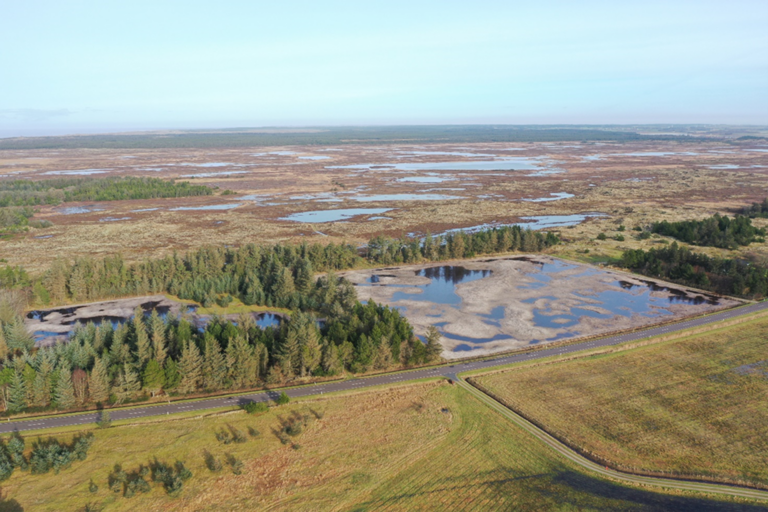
(17, 394)
(172, 377)
(129, 383)
(433, 348)
(3, 344)
(214, 364)
(99, 381)
(65, 391)
(17, 337)
(153, 377)
(157, 328)
(190, 368)
(143, 346)
(243, 366)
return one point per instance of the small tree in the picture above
(434, 348)
(601, 236)
(283, 399)
(153, 377)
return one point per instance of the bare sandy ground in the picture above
(519, 286)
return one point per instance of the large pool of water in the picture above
(505, 164)
(594, 295)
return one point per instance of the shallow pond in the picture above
(553, 196)
(333, 215)
(506, 164)
(207, 207)
(525, 300)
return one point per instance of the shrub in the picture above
(255, 407)
(601, 236)
(283, 399)
(619, 238)
(93, 487)
(622, 228)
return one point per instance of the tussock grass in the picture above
(688, 407)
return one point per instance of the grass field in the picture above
(688, 407)
(420, 447)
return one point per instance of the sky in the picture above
(92, 66)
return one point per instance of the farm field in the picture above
(696, 407)
(415, 447)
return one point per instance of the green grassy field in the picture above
(420, 447)
(686, 407)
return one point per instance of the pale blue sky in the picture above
(94, 66)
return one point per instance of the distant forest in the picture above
(716, 231)
(33, 193)
(18, 197)
(326, 136)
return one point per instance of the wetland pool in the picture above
(492, 305)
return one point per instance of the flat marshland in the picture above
(355, 192)
(418, 447)
(695, 407)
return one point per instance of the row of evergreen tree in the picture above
(39, 192)
(457, 245)
(723, 275)
(716, 231)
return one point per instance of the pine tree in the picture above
(309, 353)
(3, 344)
(153, 377)
(172, 376)
(157, 328)
(119, 351)
(243, 366)
(29, 374)
(17, 394)
(288, 353)
(382, 359)
(330, 362)
(17, 337)
(143, 345)
(41, 390)
(129, 383)
(65, 391)
(99, 381)
(433, 348)
(190, 368)
(214, 364)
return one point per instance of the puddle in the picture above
(43, 236)
(555, 196)
(74, 210)
(81, 172)
(535, 223)
(333, 215)
(506, 164)
(405, 197)
(405, 154)
(207, 207)
(424, 179)
(113, 219)
(145, 210)
(212, 174)
(268, 320)
(318, 157)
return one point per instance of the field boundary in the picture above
(607, 467)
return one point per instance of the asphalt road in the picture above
(75, 420)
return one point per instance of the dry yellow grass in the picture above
(419, 447)
(689, 407)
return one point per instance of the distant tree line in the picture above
(716, 231)
(40, 192)
(756, 210)
(386, 251)
(680, 264)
